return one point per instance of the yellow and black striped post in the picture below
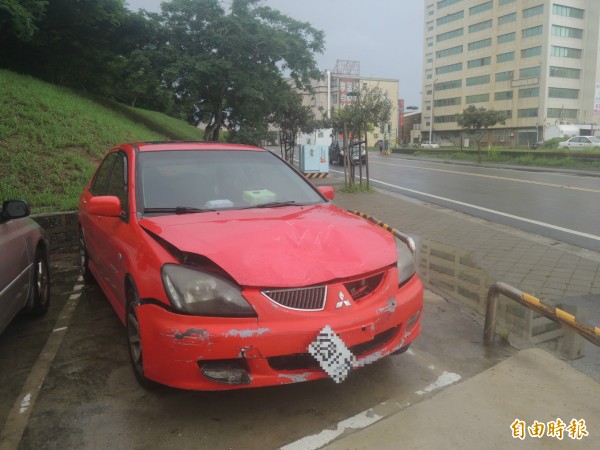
(587, 331)
(314, 175)
(410, 243)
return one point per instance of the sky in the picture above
(386, 36)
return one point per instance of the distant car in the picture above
(427, 144)
(229, 269)
(580, 142)
(24, 274)
(336, 152)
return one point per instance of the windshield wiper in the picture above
(274, 204)
(177, 210)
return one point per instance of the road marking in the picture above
(492, 211)
(18, 417)
(359, 421)
(445, 379)
(494, 177)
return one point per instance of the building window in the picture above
(555, 92)
(480, 44)
(504, 95)
(575, 33)
(450, 51)
(565, 52)
(451, 18)
(565, 72)
(480, 62)
(507, 18)
(562, 113)
(443, 3)
(508, 37)
(529, 52)
(446, 119)
(480, 26)
(503, 57)
(536, 10)
(567, 11)
(480, 98)
(444, 85)
(474, 81)
(447, 102)
(533, 31)
(481, 8)
(449, 68)
(506, 2)
(527, 112)
(529, 92)
(530, 72)
(505, 76)
(450, 35)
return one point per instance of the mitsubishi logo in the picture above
(342, 302)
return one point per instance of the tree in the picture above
(477, 121)
(370, 107)
(292, 117)
(18, 18)
(224, 67)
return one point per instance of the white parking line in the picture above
(18, 417)
(359, 421)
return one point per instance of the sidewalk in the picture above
(460, 257)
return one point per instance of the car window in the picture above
(219, 179)
(99, 185)
(117, 183)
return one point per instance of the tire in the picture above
(134, 339)
(40, 289)
(84, 259)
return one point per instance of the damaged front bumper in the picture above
(209, 353)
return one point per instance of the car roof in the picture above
(192, 145)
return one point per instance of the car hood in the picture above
(280, 247)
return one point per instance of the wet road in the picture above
(560, 206)
(89, 397)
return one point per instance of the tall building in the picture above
(536, 60)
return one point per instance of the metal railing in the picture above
(588, 332)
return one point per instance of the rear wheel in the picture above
(134, 338)
(40, 288)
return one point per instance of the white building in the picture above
(536, 60)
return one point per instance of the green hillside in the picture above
(51, 139)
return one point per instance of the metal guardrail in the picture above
(410, 242)
(589, 332)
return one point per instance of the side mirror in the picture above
(327, 191)
(105, 205)
(15, 209)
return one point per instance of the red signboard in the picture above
(349, 88)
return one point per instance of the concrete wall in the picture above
(61, 230)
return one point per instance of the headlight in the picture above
(406, 262)
(192, 291)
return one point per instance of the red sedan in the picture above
(230, 270)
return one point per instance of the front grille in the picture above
(304, 299)
(379, 341)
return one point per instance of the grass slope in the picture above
(51, 139)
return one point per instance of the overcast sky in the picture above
(386, 36)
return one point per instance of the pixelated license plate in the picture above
(332, 354)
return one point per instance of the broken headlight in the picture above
(406, 262)
(192, 291)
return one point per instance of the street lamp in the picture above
(431, 115)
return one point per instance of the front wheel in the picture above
(40, 288)
(134, 338)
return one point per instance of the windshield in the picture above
(181, 182)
